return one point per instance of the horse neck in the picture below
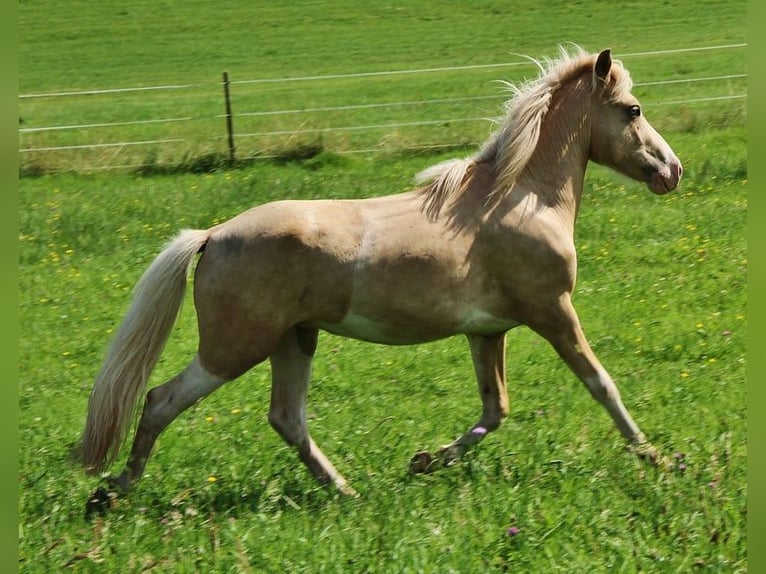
(556, 170)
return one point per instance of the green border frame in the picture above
(756, 474)
(9, 288)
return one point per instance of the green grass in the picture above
(661, 295)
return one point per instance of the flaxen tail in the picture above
(135, 349)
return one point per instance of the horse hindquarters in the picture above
(258, 280)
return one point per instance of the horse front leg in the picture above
(562, 329)
(488, 354)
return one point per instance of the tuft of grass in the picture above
(298, 151)
(210, 162)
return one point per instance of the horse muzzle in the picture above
(666, 178)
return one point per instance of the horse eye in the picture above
(634, 112)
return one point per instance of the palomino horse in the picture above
(483, 246)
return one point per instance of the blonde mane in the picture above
(512, 145)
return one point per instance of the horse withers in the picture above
(481, 246)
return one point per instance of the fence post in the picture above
(229, 122)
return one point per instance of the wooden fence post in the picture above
(229, 122)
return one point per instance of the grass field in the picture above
(189, 46)
(661, 294)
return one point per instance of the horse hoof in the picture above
(647, 452)
(347, 490)
(422, 463)
(99, 502)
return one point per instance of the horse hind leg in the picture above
(163, 404)
(488, 355)
(290, 375)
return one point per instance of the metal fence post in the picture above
(229, 122)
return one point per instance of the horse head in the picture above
(621, 136)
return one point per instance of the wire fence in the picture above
(347, 113)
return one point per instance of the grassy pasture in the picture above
(112, 46)
(661, 293)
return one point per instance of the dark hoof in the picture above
(99, 502)
(423, 463)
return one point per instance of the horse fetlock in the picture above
(346, 489)
(450, 454)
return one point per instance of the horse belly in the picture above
(409, 330)
(480, 322)
(382, 331)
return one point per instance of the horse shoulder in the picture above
(533, 255)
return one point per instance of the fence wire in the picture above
(86, 142)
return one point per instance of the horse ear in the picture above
(603, 65)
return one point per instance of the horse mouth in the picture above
(665, 179)
(659, 185)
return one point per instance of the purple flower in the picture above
(513, 531)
